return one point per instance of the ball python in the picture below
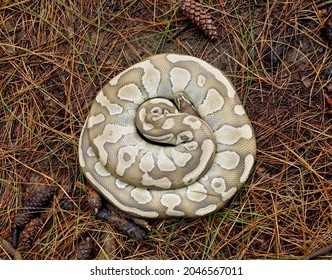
(167, 137)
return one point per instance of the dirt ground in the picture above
(56, 55)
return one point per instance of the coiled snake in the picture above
(182, 160)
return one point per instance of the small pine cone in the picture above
(86, 250)
(198, 15)
(29, 233)
(23, 216)
(39, 193)
(94, 200)
(130, 229)
(35, 195)
(37, 198)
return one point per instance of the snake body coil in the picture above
(154, 159)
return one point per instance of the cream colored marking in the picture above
(80, 150)
(131, 92)
(163, 138)
(163, 162)
(127, 157)
(214, 71)
(206, 210)
(207, 151)
(142, 116)
(101, 170)
(147, 126)
(248, 164)
(81, 158)
(162, 183)
(113, 108)
(218, 184)
(157, 113)
(179, 158)
(114, 81)
(90, 152)
(191, 146)
(142, 196)
(117, 203)
(227, 160)
(112, 133)
(180, 78)
(151, 78)
(95, 119)
(184, 136)
(193, 122)
(170, 201)
(161, 101)
(212, 103)
(196, 192)
(120, 184)
(201, 80)
(230, 135)
(148, 68)
(239, 110)
(168, 124)
(146, 163)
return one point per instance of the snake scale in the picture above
(167, 137)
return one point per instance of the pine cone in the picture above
(86, 250)
(38, 193)
(200, 17)
(94, 200)
(35, 196)
(130, 229)
(29, 233)
(23, 216)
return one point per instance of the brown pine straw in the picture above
(55, 58)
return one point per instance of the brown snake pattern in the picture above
(167, 137)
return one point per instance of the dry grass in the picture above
(55, 56)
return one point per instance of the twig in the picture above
(324, 4)
(319, 252)
(8, 248)
(175, 34)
